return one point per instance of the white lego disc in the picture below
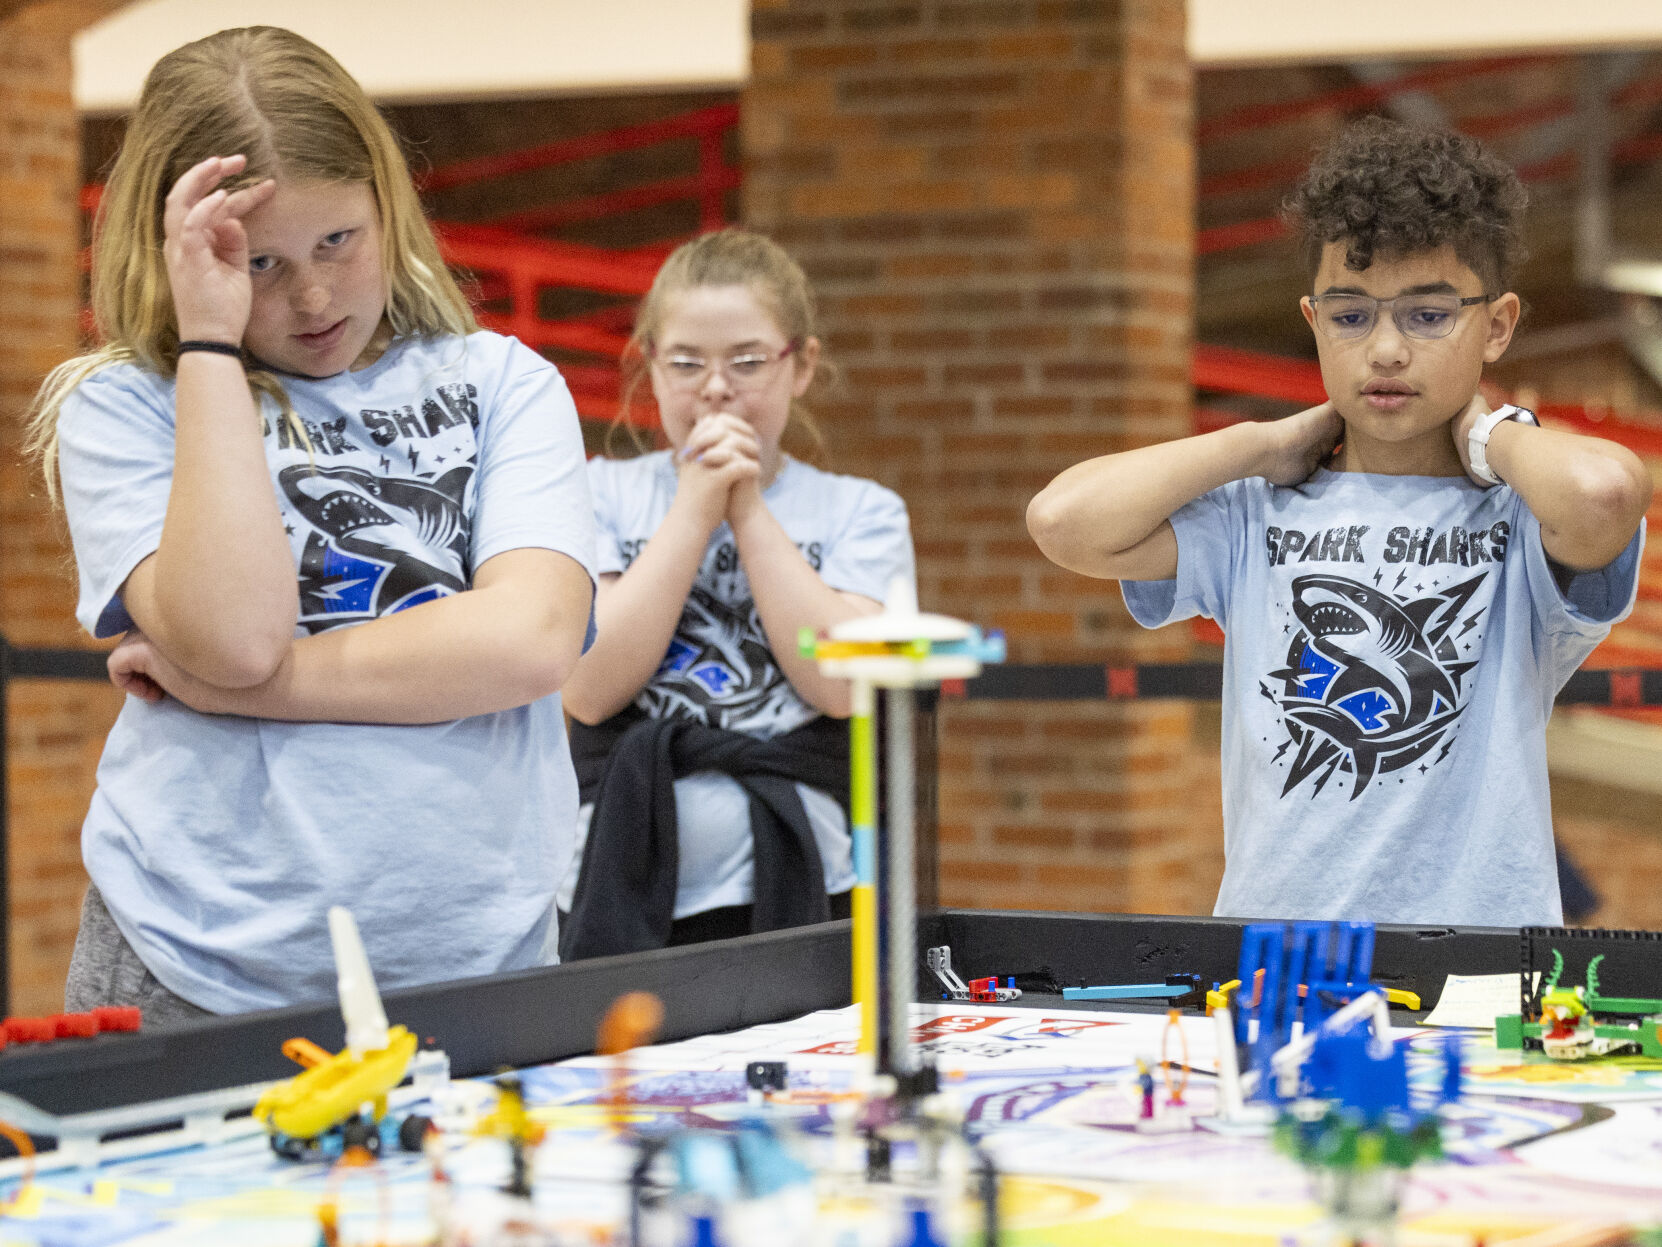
(900, 620)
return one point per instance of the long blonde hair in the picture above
(730, 257)
(295, 113)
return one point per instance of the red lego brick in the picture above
(75, 1025)
(118, 1018)
(30, 1030)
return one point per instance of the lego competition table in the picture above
(1067, 1106)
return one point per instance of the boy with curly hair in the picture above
(1406, 578)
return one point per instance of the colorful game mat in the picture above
(1536, 1154)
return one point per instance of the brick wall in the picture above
(54, 730)
(994, 198)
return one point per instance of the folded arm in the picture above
(512, 638)
(218, 594)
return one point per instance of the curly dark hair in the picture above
(1382, 186)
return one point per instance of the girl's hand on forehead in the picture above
(206, 249)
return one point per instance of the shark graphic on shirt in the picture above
(719, 670)
(1372, 683)
(377, 544)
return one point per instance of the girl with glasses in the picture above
(711, 760)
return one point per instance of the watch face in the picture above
(1522, 415)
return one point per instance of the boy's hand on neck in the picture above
(1295, 446)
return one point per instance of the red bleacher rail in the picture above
(1229, 371)
(1486, 126)
(1640, 149)
(514, 265)
(1362, 95)
(709, 126)
(522, 266)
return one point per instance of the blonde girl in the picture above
(346, 540)
(712, 764)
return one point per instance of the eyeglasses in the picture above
(745, 371)
(1416, 315)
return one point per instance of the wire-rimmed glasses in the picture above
(745, 370)
(1425, 316)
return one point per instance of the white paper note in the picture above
(1476, 1000)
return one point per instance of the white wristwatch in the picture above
(1477, 441)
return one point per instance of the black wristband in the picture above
(217, 348)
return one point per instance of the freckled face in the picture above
(716, 323)
(319, 286)
(1395, 391)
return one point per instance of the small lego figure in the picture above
(1145, 1082)
(512, 1123)
(632, 1021)
(328, 1224)
(1175, 1087)
(1564, 1009)
(764, 1078)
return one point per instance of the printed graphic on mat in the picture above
(1372, 681)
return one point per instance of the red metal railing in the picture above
(514, 266)
(709, 126)
(1349, 99)
(1640, 149)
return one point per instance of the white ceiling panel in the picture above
(408, 50)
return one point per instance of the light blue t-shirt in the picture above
(219, 842)
(720, 670)
(1394, 646)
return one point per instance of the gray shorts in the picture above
(105, 970)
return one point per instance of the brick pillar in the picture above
(54, 729)
(995, 200)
